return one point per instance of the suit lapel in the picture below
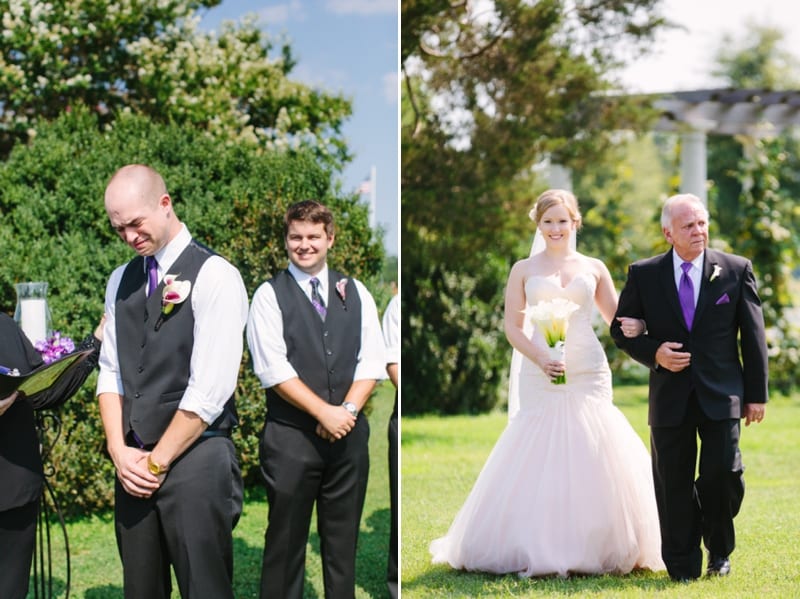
(667, 276)
(709, 261)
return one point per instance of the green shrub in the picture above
(232, 198)
(455, 354)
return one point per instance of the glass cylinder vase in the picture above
(32, 313)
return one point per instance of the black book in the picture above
(42, 378)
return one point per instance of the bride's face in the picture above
(556, 225)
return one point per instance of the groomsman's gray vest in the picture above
(324, 354)
(154, 364)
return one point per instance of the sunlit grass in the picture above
(97, 572)
(441, 458)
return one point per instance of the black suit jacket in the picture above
(727, 340)
(20, 462)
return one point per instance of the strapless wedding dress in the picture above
(568, 487)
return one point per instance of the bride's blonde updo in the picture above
(553, 197)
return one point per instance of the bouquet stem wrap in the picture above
(558, 352)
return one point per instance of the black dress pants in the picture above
(17, 542)
(301, 469)
(690, 510)
(187, 523)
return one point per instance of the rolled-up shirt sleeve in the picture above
(265, 339)
(219, 302)
(391, 330)
(371, 357)
(109, 380)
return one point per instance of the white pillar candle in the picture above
(33, 318)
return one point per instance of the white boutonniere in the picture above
(715, 274)
(340, 290)
(175, 292)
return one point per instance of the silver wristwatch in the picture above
(351, 407)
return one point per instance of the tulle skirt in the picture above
(567, 489)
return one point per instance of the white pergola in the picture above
(754, 113)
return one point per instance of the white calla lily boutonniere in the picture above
(715, 274)
(175, 292)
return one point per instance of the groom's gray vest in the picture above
(154, 356)
(324, 354)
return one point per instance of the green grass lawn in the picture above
(97, 572)
(441, 458)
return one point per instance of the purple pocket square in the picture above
(723, 299)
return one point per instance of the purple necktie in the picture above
(316, 299)
(686, 295)
(152, 274)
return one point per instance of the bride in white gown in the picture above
(568, 487)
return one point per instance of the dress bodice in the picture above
(579, 290)
(584, 353)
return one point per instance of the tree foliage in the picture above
(150, 58)
(232, 198)
(755, 183)
(487, 96)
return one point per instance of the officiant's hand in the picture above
(7, 402)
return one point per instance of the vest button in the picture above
(140, 369)
(324, 333)
(137, 395)
(329, 352)
(330, 371)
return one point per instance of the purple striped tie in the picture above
(686, 295)
(316, 299)
(152, 274)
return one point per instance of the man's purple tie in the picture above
(152, 274)
(686, 295)
(316, 299)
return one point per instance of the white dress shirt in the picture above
(695, 272)
(391, 330)
(219, 304)
(268, 347)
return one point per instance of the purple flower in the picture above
(54, 347)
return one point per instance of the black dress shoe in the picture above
(718, 565)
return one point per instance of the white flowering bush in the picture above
(151, 58)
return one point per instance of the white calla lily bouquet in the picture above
(552, 317)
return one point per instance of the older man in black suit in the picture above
(701, 307)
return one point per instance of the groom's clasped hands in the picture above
(335, 423)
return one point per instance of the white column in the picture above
(693, 164)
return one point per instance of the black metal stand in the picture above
(49, 429)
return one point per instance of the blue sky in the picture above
(348, 47)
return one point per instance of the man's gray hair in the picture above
(681, 198)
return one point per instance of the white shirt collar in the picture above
(167, 255)
(696, 263)
(303, 279)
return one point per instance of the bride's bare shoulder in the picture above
(525, 267)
